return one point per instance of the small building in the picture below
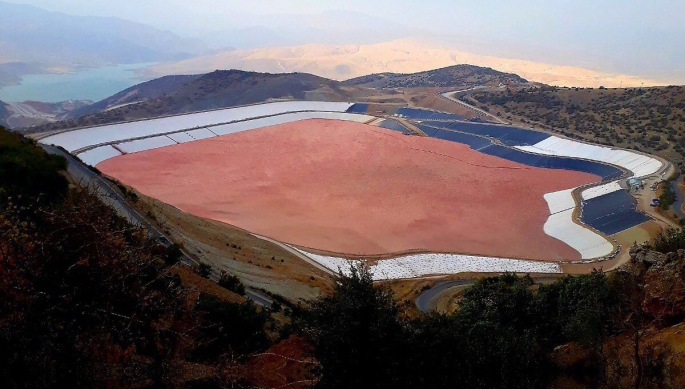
(636, 184)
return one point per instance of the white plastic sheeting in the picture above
(601, 190)
(560, 201)
(145, 144)
(181, 137)
(421, 265)
(79, 139)
(560, 224)
(640, 165)
(286, 118)
(589, 244)
(201, 133)
(97, 155)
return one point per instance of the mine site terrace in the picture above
(414, 193)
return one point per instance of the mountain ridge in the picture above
(35, 41)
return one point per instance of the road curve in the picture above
(426, 301)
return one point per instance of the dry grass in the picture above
(257, 263)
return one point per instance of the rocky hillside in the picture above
(450, 77)
(142, 92)
(219, 89)
(36, 113)
(4, 113)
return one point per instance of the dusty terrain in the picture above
(401, 56)
(258, 263)
(355, 189)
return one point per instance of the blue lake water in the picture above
(92, 84)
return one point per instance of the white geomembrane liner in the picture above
(640, 165)
(97, 155)
(589, 244)
(86, 137)
(421, 265)
(560, 224)
(171, 139)
(181, 137)
(201, 133)
(234, 128)
(560, 201)
(597, 191)
(145, 144)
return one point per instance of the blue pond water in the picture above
(425, 114)
(612, 213)
(510, 136)
(393, 125)
(358, 108)
(544, 161)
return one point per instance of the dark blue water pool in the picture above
(612, 213)
(393, 125)
(425, 114)
(358, 108)
(486, 146)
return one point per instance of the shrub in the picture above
(232, 283)
(204, 270)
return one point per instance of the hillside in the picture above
(146, 91)
(450, 77)
(36, 113)
(219, 89)
(4, 113)
(645, 119)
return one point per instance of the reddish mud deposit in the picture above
(352, 188)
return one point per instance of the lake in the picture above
(91, 84)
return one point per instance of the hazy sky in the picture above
(488, 16)
(622, 35)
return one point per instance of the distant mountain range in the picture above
(219, 89)
(33, 40)
(342, 62)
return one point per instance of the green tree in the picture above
(27, 173)
(232, 283)
(358, 338)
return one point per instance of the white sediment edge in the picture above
(422, 265)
